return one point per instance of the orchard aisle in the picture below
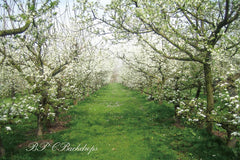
(112, 124)
(116, 123)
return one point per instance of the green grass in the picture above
(122, 125)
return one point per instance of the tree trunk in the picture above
(48, 123)
(13, 91)
(177, 118)
(60, 94)
(2, 150)
(57, 113)
(176, 104)
(75, 101)
(42, 116)
(232, 143)
(198, 90)
(232, 88)
(160, 101)
(160, 91)
(210, 98)
(39, 125)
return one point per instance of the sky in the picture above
(63, 3)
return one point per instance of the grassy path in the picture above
(116, 123)
(113, 121)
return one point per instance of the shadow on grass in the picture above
(170, 142)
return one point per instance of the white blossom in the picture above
(8, 128)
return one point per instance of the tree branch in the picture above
(4, 33)
(170, 57)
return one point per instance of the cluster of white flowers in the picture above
(228, 111)
(236, 134)
(15, 111)
(194, 110)
(51, 114)
(8, 128)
